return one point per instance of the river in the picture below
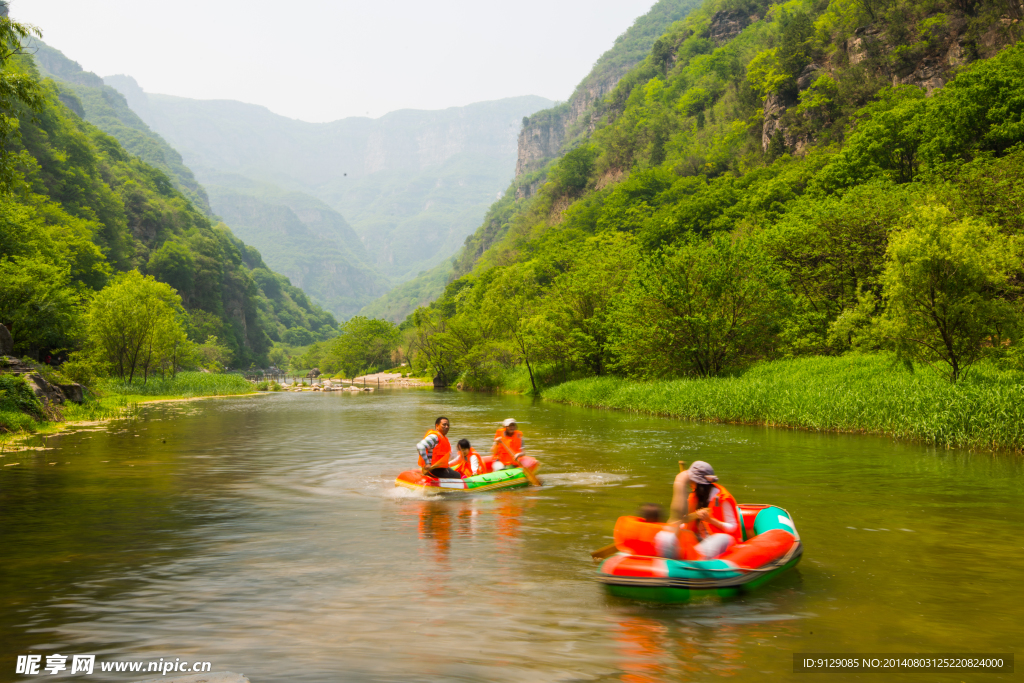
(264, 534)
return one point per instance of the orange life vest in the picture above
(439, 456)
(635, 536)
(506, 447)
(718, 505)
(465, 468)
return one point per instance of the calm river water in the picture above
(265, 535)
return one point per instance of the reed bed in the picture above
(862, 393)
(184, 385)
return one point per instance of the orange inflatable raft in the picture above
(771, 545)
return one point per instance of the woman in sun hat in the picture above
(707, 512)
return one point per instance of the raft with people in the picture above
(710, 545)
(442, 470)
(770, 546)
(509, 478)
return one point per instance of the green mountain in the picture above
(84, 207)
(771, 180)
(304, 239)
(85, 94)
(412, 184)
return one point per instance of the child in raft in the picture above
(468, 463)
(708, 514)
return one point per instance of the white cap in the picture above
(508, 422)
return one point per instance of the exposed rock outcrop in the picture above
(773, 109)
(726, 25)
(929, 67)
(49, 394)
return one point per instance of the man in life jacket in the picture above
(706, 510)
(435, 450)
(468, 463)
(508, 446)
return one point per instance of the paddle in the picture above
(534, 481)
(609, 550)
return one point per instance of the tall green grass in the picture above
(856, 393)
(184, 384)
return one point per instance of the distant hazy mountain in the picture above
(412, 184)
(301, 237)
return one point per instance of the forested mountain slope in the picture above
(82, 209)
(303, 238)
(772, 180)
(85, 94)
(412, 184)
(324, 257)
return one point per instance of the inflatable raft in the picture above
(509, 478)
(771, 545)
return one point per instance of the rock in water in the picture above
(6, 341)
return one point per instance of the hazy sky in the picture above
(320, 60)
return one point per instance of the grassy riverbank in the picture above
(863, 393)
(110, 399)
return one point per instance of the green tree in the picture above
(211, 354)
(946, 288)
(297, 336)
(172, 263)
(133, 322)
(575, 320)
(364, 344)
(40, 303)
(432, 344)
(700, 308)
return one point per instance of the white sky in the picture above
(321, 60)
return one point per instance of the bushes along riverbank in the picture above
(857, 393)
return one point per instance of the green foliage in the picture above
(854, 393)
(574, 170)
(297, 336)
(82, 368)
(946, 286)
(17, 397)
(210, 355)
(38, 299)
(135, 326)
(86, 208)
(184, 384)
(671, 243)
(364, 345)
(699, 309)
(17, 90)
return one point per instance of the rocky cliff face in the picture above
(928, 68)
(728, 24)
(544, 135)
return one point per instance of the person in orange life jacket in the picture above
(468, 462)
(435, 450)
(665, 541)
(707, 511)
(508, 446)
